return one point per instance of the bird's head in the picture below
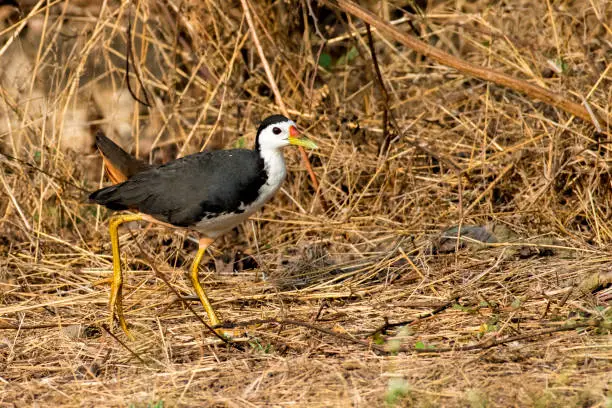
(276, 132)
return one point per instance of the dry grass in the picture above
(473, 154)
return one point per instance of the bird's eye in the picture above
(276, 130)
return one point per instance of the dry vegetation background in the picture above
(529, 180)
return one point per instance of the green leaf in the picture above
(325, 60)
(352, 54)
(348, 57)
(457, 306)
(561, 63)
(397, 389)
(255, 344)
(379, 339)
(240, 143)
(419, 345)
(516, 303)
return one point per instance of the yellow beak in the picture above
(302, 141)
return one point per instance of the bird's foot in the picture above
(234, 331)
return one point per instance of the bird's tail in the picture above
(107, 197)
(120, 165)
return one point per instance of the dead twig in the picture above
(128, 57)
(385, 121)
(487, 344)
(293, 322)
(534, 91)
(315, 20)
(46, 173)
(125, 346)
(434, 312)
(8, 326)
(490, 343)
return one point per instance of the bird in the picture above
(209, 193)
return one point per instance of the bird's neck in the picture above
(274, 163)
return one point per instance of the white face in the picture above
(276, 135)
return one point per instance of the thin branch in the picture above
(534, 91)
(487, 344)
(315, 20)
(46, 173)
(128, 56)
(8, 326)
(437, 310)
(292, 322)
(314, 75)
(386, 137)
(125, 346)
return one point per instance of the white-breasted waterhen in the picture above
(208, 192)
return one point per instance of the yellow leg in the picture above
(115, 302)
(204, 243)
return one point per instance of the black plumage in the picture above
(210, 193)
(192, 188)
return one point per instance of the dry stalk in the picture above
(534, 91)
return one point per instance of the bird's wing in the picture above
(186, 190)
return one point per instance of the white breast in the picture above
(275, 166)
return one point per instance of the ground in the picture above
(353, 293)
